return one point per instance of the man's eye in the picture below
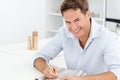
(67, 22)
(77, 19)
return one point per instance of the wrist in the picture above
(44, 69)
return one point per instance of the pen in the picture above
(51, 68)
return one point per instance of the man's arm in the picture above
(48, 72)
(40, 64)
(104, 76)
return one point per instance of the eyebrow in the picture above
(73, 20)
(67, 21)
(76, 19)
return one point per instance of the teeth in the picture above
(77, 30)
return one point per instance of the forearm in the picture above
(40, 64)
(104, 76)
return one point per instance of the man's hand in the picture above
(51, 72)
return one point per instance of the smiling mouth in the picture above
(77, 30)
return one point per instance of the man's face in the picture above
(78, 23)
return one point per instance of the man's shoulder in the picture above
(62, 29)
(107, 34)
(65, 32)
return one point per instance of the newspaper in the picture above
(67, 72)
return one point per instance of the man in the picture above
(92, 47)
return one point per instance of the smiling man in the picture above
(87, 46)
(78, 24)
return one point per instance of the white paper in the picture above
(67, 72)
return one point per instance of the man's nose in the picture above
(73, 26)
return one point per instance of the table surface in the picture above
(14, 67)
(16, 61)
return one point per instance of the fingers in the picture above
(50, 73)
(55, 70)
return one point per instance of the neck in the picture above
(83, 39)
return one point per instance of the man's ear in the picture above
(88, 14)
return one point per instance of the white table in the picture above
(14, 67)
(16, 61)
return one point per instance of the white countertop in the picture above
(14, 67)
(16, 61)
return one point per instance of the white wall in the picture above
(18, 18)
(113, 9)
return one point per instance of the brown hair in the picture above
(74, 4)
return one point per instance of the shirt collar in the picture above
(94, 31)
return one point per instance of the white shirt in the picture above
(100, 54)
